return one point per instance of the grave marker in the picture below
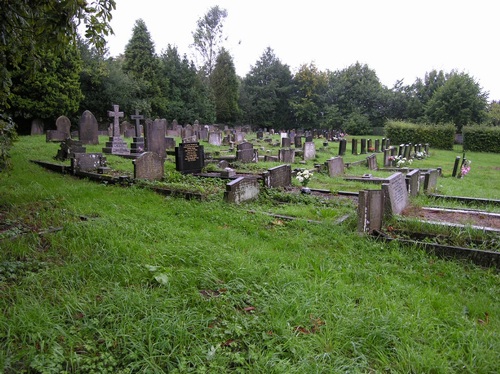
(309, 151)
(189, 158)
(370, 210)
(279, 176)
(241, 189)
(88, 128)
(149, 166)
(395, 194)
(335, 166)
(155, 137)
(412, 179)
(245, 152)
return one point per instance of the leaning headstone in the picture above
(279, 176)
(372, 162)
(149, 166)
(241, 189)
(370, 210)
(395, 194)
(335, 166)
(88, 128)
(309, 151)
(154, 133)
(189, 158)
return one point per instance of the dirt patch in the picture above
(462, 218)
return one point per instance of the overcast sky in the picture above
(399, 39)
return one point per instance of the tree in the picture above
(265, 92)
(307, 101)
(225, 85)
(141, 64)
(208, 37)
(493, 114)
(459, 101)
(419, 94)
(358, 96)
(188, 97)
(50, 91)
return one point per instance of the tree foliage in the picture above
(225, 86)
(265, 93)
(208, 37)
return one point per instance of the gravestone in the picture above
(55, 136)
(137, 145)
(245, 152)
(37, 127)
(260, 135)
(149, 166)
(241, 189)
(363, 146)
(125, 128)
(309, 139)
(370, 210)
(189, 158)
(335, 166)
(279, 176)
(395, 194)
(372, 162)
(63, 124)
(154, 133)
(116, 145)
(239, 137)
(377, 145)
(169, 143)
(88, 128)
(285, 142)
(430, 180)
(412, 179)
(387, 158)
(309, 151)
(68, 148)
(455, 166)
(215, 138)
(354, 146)
(203, 134)
(298, 141)
(87, 162)
(286, 155)
(342, 147)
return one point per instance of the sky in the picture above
(398, 39)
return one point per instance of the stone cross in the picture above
(137, 118)
(116, 114)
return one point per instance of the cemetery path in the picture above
(475, 218)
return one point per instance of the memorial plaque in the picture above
(395, 194)
(189, 158)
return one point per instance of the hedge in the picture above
(481, 139)
(438, 136)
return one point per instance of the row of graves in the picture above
(149, 153)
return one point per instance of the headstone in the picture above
(55, 136)
(215, 138)
(372, 162)
(241, 189)
(387, 158)
(377, 145)
(335, 166)
(395, 194)
(363, 146)
(87, 128)
(260, 135)
(279, 176)
(203, 134)
(286, 155)
(370, 210)
(456, 166)
(137, 145)
(430, 180)
(342, 147)
(309, 139)
(63, 124)
(309, 151)
(239, 137)
(412, 179)
(354, 146)
(298, 141)
(87, 162)
(189, 158)
(68, 148)
(37, 127)
(269, 158)
(245, 152)
(116, 145)
(125, 128)
(169, 143)
(285, 142)
(154, 133)
(149, 166)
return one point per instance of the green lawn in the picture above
(133, 282)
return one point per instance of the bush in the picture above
(438, 136)
(7, 137)
(481, 139)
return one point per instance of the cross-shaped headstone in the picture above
(137, 118)
(116, 114)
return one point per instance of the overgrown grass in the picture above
(136, 282)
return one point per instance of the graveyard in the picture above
(165, 248)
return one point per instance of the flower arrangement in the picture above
(401, 161)
(465, 168)
(304, 177)
(420, 155)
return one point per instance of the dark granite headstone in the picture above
(189, 158)
(363, 146)
(88, 128)
(342, 147)
(354, 146)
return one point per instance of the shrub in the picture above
(481, 139)
(7, 137)
(438, 136)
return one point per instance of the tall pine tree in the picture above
(225, 87)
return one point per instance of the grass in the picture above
(139, 283)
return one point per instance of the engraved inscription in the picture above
(191, 152)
